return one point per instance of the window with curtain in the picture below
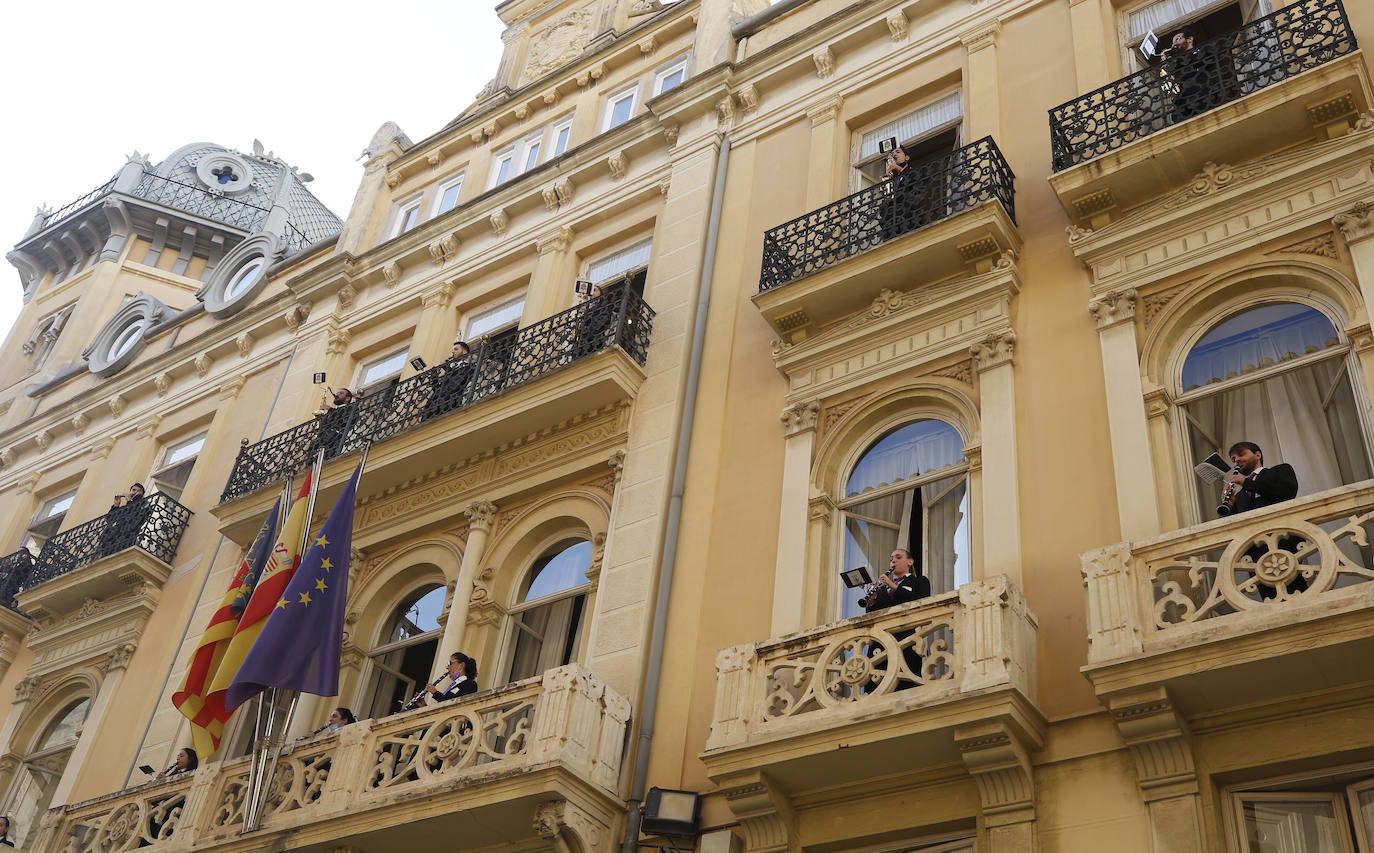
(908, 490)
(42, 769)
(405, 651)
(547, 620)
(1278, 375)
(1333, 811)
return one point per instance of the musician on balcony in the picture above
(902, 586)
(450, 382)
(1200, 75)
(123, 521)
(1254, 486)
(462, 680)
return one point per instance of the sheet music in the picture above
(1212, 469)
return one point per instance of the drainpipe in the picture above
(669, 558)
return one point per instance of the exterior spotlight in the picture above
(671, 813)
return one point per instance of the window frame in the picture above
(48, 518)
(512, 626)
(631, 93)
(554, 130)
(623, 248)
(1132, 61)
(858, 161)
(166, 466)
(488, 309)
(361, 387)
(404, 208)
(665, 71)
(454, 182)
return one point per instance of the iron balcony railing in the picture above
(917, 197)
(68, 209)
(1266, 51)
(14, 573)
(619, 317)
(154, 524)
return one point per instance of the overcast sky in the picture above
(83, 84)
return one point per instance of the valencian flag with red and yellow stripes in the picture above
(301, 645)
(281, 567)
(206, 730)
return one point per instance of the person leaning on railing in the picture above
(450, 382)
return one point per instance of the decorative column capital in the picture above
(24, 690)
(557, 240)
(821, 508)
(480, 515)
(994, 350)
(826, 110)
(118, 658)
(800, 417)
(1111, 309)
(982, 36)
(1357, 223)
(438, 296)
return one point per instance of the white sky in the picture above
(83, 84)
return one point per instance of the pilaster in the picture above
(1089, 29)
(825, 142)
(997, 756)
(551, 286)
(984, 105)
(1001, 492)
(789, 581)
(1137, 498)
(1159, 741)
(1356, 225)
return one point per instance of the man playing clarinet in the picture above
(1253, 486)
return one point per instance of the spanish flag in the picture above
(206, 730)
(281, 567)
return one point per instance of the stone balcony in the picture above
(844, 703)
(1279, 81)
(532, 763)
(1253, 608)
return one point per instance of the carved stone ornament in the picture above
(800, 417)
(825, 62)
(244, 343)
(619, 164)
(670, 131)
(725, 113)
(43, 439)
(1357, 223)
(500, 221)
(897, 25)
(480, 514)
(1077, 234)
(748, 98)
(557, 241)
(392, 273)
(80, 422)
(1323, 246)
(617, 463)
(24, 690)
(559, 816)
(336, 341)
(994, 350)
(550, 201)
(1109, 309)
(559, 42)
(1213, 178)
(118, 658)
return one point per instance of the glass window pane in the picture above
(561, 137)
(449, 199)
(184, 450)
(503, 169)
(563, 569)
(126, 340)
(531, 156)
(671, 80)
(63, 729)
(409, 217)
(631, 257)
(494, 318)
(59, 505)
(383, 368)
(418, 614)
(621, 110)
(1257, 338)
(906, 452)
(1293, 826)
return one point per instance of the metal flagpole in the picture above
(259, 734)
(272, 743)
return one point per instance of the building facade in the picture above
(1097, 265)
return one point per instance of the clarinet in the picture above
(1224, 508)
(414, 701)
(873, 589)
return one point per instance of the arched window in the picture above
(1277, 375)
(908, 490)
(42, 769)
(548, 616)
(405, 651)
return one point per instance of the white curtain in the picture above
(942, 503)
(911, 451)
(916, 123)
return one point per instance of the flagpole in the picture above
(271, 751)
(260, 732)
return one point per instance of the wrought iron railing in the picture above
(68, 209)
(154, 524)
(1292, 40)
(14, 573)
(199, 201)
(619, 317)
(917, 197)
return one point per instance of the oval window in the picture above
(126, 340)
(245, 278)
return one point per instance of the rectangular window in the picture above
(174, 469)
(448, 195)
(491, 320)
(501, 167)
(1205, 19)
(48, 520)
(407, 217)
(621, 261)
(619, 108)
(924, 133)
(381, 370)
(670, 76)
(562, 133)
(531, 156)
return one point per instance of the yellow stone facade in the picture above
(1100, 666)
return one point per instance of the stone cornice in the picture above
(1227, 209)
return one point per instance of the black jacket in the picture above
(463, 688)
(1267, 487)
(909, 588)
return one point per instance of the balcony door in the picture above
(41, 771)
(547, 621)
(405, 651)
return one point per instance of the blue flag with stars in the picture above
(300, 646)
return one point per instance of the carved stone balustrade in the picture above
(938, 681)
(537, 758)
(1208, 612)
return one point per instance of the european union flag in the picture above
(300, 646)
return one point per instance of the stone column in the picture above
(1159, 742)
(1000, 486)
(1357, 227)
(550, 289)
(1137, 498)
(982, 113)
(113, 666)
(480, 516)
(825, 140)
(789, 574)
